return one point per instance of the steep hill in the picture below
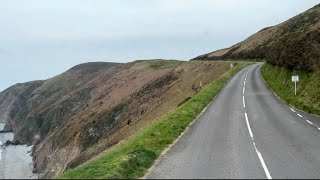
(78, 114)
(294, 44)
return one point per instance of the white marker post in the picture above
(295, 79)
(231, 65)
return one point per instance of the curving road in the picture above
(245, 133)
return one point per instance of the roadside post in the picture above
(295, 79)
(231, 65)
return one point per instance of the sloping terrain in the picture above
(132, 158)
(308, 87)
(294, 44)
(91, 107)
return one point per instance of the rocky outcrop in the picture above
(16, 142)
(7, 128)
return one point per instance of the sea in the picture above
(15, 160)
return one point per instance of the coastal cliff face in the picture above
(15, 99)
(91, 107)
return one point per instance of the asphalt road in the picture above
(246, 132)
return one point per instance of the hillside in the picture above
(294, 44)
(78, 114)
(308, 88)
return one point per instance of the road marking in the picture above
(244, 104)
(0, 154)
(309, 122)
(243, 90)
(251, 135)
(292, 110)
(318, 128)
(299, 115)
(262, 162)
(249, 128)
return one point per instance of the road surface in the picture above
(246, 132)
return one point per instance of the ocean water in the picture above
(15, 161)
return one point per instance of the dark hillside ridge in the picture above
(92, 66)
(294, 44)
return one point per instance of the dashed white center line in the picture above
(244, 103)
(0, 150)
(243, 90)
(310, 122)
(251, 134)
(299, 115)
(257, 151)
(249, 128)
(262, 162)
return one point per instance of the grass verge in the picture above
(308, 87)
(132, 158)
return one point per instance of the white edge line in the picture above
(299, 115)
(292, 110)
(249, 128)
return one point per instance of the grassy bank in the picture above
(308, 87)
(133, 157)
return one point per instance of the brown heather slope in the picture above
(294, 44)
(79, 114)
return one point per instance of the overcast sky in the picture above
(42, 38)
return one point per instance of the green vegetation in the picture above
(298, 50)
(163, 64)
(133, 157)
(308, 87)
